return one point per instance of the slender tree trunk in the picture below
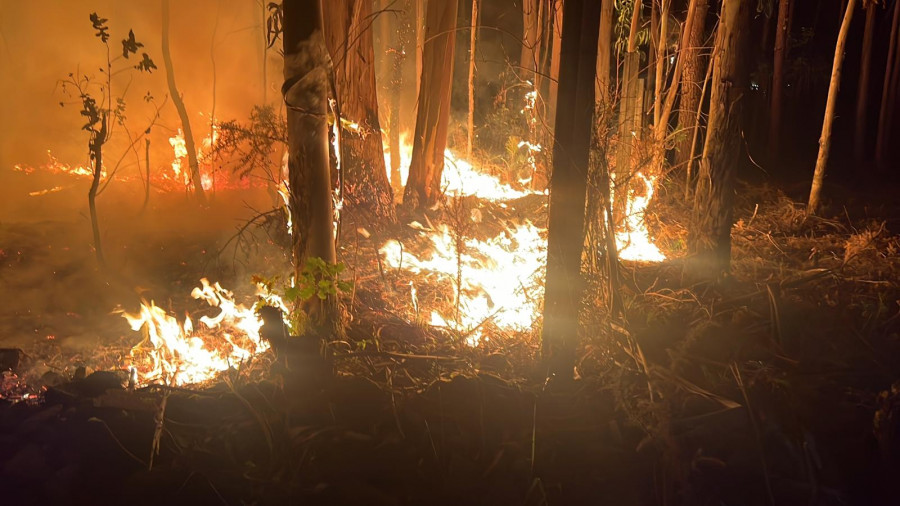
(265, 55)
(885, 112)
(782, 47)
(348, 36)
(709, 238)
(147, 169)
(661, 127)
(689, 172)
(420, 41)
(635, 25)
(423, 188)
(886, 123)
(655, 67)
(306, 64)
(473, 31)
(862, 93)
(692, 81)
(396, 87)
(96, 151)
(555, 52)
(571, 151)
(825, 141)
(196, 180)
(604, 50)
(529, 59)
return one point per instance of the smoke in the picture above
(44, 40)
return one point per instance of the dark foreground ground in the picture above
(772, 388)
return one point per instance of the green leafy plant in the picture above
(318, 279)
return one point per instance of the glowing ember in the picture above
(178, 354)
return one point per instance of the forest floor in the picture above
(779, 386)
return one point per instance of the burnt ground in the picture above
(774, 387)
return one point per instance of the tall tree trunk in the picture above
(196, 180)
(95, 146)
(709, 238)
(396, 88)
(656, 68)
(473, 32)
(420, 41)
(555, 52)
(423, 188)
(825, 141)
(862, 93)
(886, 112)
(661, 127)
(782, 47)
(604, 50)
(691, 83)
(348, 36)
(306, 64)
(529, 59)
(571, 151)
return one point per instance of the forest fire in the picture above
(522, 251)
(178, 353)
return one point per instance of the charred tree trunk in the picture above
(305, 91)
(782, 47)
(709, 238)
(423, 188)
(571, 150)
(825, 140)
(862, 93)
(886, 112)
(348, 36)
(692, 82)
(196, 180)
(473, 32)
(604, 50)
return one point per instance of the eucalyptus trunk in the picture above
(886, 112)
(691, 86)
(196, 179)
(604, 51)
(862, 93)
(709, 234)
(348, 36)
(305, 91)
(571, 151)
(782, 47)
(423, 189)
(815, 191)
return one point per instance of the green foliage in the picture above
(622, 28)
(318, 279)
